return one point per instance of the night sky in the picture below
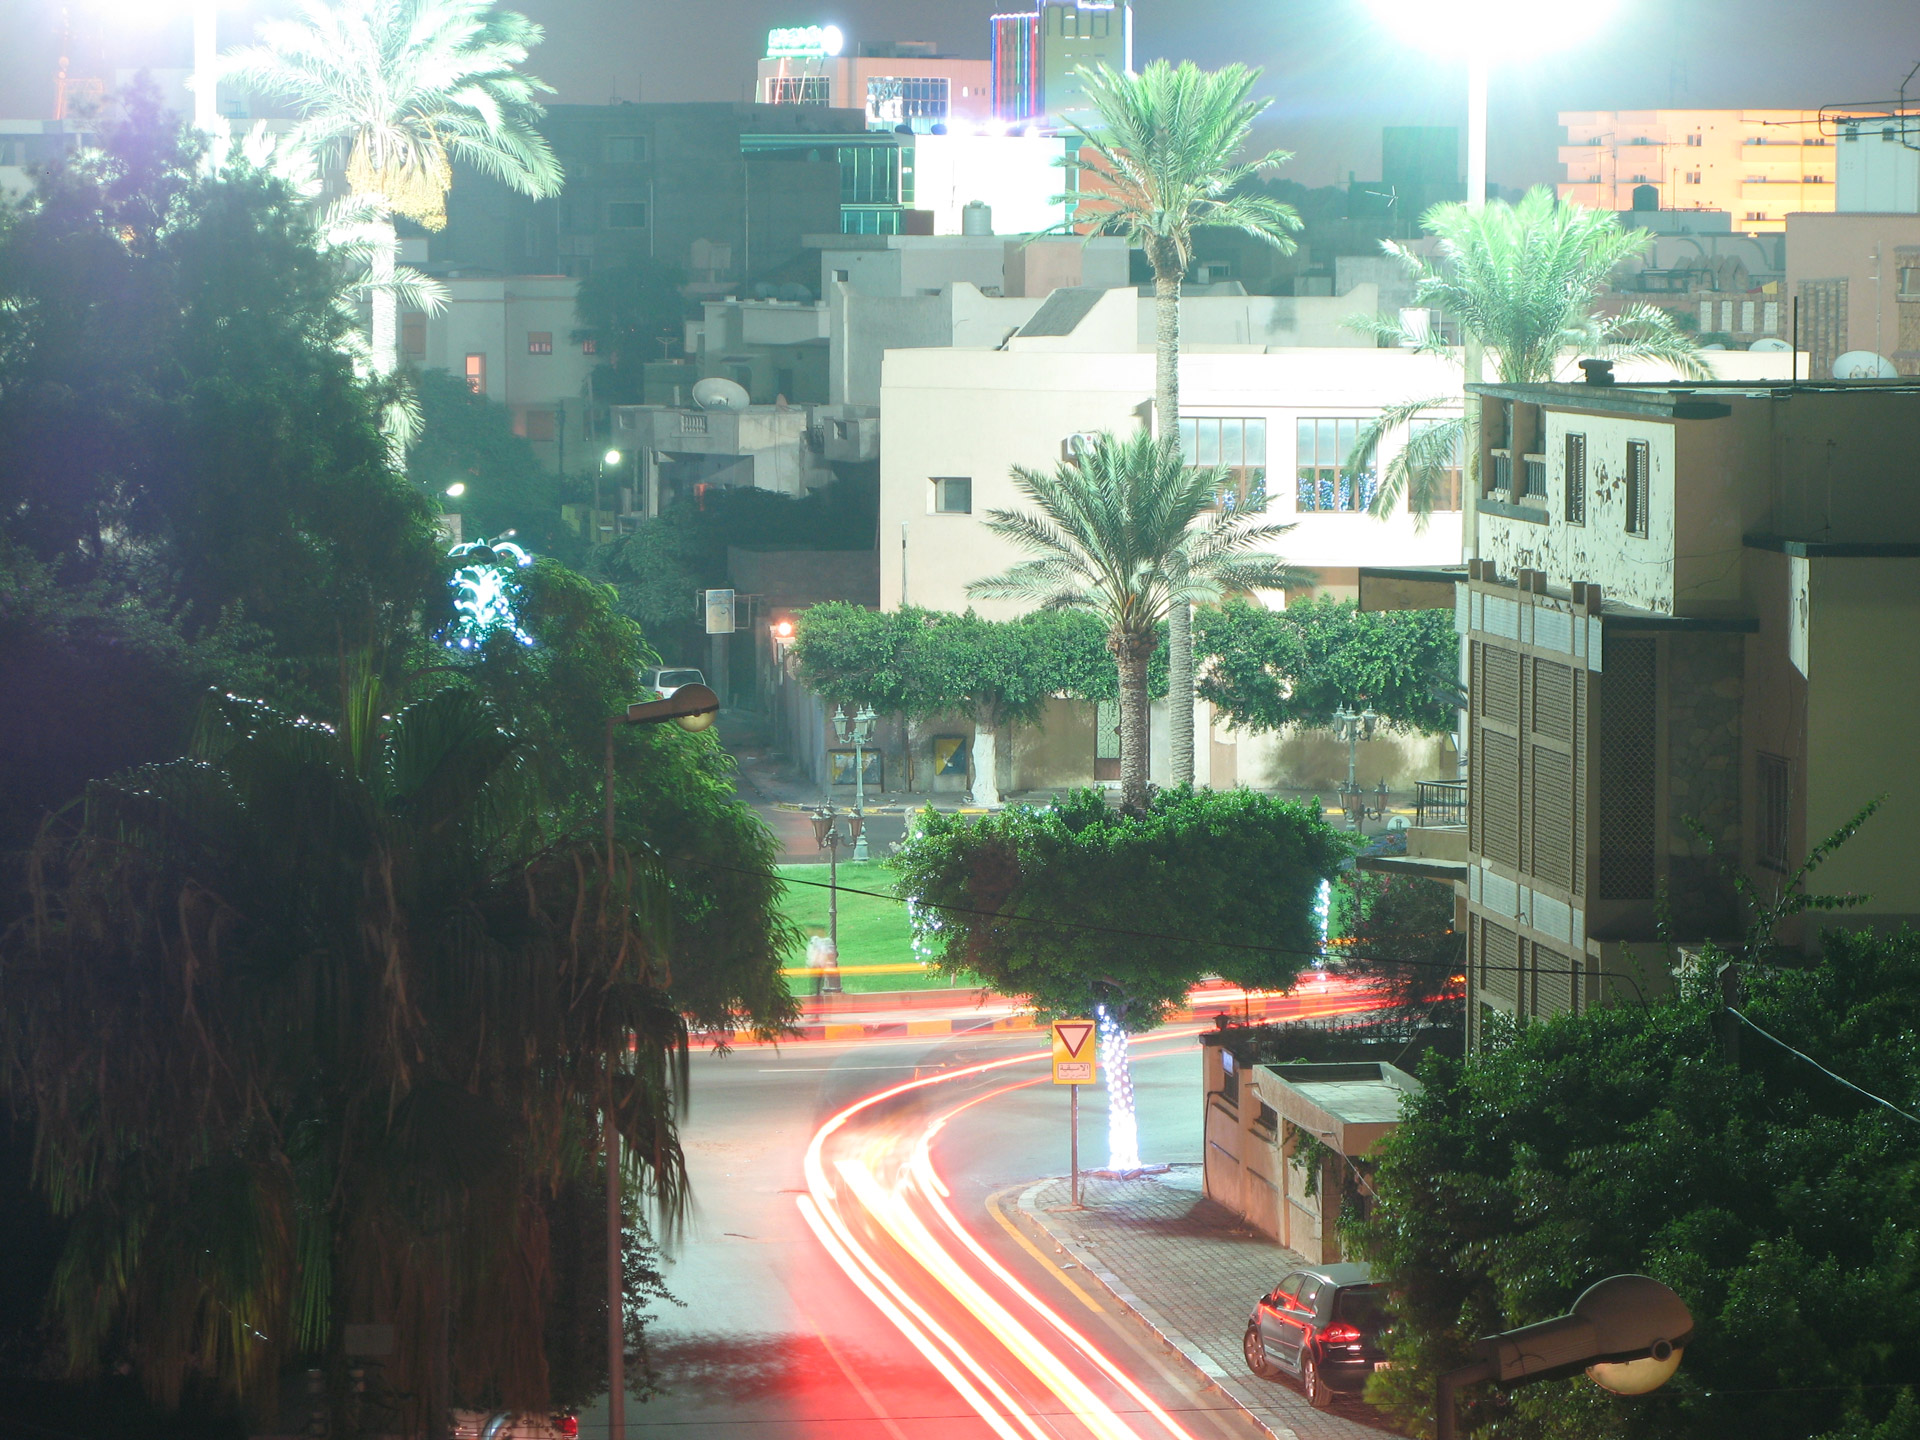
(1336, 78)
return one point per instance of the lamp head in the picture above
(612, 457)
(457, 489)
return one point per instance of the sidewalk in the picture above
(1191, 1270)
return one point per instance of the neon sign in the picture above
(804, 42)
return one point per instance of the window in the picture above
(1726, 316)
(1774, 811)
(1770, 316)
(627, 215)
(1237, 445)
(1268, 1119)
(1576, 479)
(953, 495)
(1693, 177)
(624, 149)
(534, 423)
(413, 333)
(1706, 315)
(539, 342)
(901, 99)
(1448, 494)
(797, 90)
(1756, 214)
(477, 374)
(1693, 140)
(1910, 282)
(1637, 467)
(1747, 316)
(589, 346)
(1324, 449)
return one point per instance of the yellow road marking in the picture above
(1020, 1239)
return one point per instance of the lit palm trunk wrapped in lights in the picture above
(1123, 1120)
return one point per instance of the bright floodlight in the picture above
(1497, 27)
(832, 40)
(613, 457)
(457, 489)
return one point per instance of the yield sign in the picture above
(1070, 1037)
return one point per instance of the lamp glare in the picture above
(457, 489)
(613, 457)
(1500, 28)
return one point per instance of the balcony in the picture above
(1439, 804)
(1533, 477)
(1503, 471)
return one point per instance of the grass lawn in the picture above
(872, 931)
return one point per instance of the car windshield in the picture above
(668, 678)
(1359, 1306)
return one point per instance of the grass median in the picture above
(873, 931)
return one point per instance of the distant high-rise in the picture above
(1757, 165)
(1037, 54)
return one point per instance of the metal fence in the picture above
(1440, 802)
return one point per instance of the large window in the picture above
(901, 99)
(1324, 449)
(797, 90)
(1237, 444)
(477, 374)
(1448, 496)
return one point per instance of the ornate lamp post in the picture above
(857, 730)
(1353, 727)
(830, 837)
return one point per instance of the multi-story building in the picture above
(1856, 277)
(1689, 641)
(893, 82)
(1037, 55)
(28, 144)
(1879, 170)
(1757, 165)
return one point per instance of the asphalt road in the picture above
(777, 1340)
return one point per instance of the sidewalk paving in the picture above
(1191, 1269)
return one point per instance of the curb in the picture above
(1174, 1339)
(902, 1028)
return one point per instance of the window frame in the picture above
(941, 491)
(475, 371)
(1574, 502)
(1248, 492)
(1639, 488)
(646, 214)
(1360, 494)
(540, 342)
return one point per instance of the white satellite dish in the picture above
(718, 393)
(1864, 365)
(1771, 346)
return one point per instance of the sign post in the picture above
(1073, 1066)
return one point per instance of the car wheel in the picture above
(1254, 1346)
(1313, 1382)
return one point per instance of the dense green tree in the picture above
(1523, 279)
(627, 310)
(1776, 1200)
(1270, 668)
(468, 439)
(1162, 159)
(1115, 535)
(390, 93)
(1397, 932)
(1084, 908)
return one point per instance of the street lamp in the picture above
(1626, 1332)
(1353, 727)
(691, 707)
(857, 731)
(609, 461)
(830, 837)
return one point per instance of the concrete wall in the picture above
(1269, 320)
(1861, 249)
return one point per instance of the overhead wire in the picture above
(1799, 1055)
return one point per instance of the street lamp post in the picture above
(857, 730)
(1353, 727)
(1626, 1332)
(828, 834)
(691, 707)
(608, 461)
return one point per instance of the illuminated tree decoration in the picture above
(483, 594)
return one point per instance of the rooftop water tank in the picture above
(976, 218)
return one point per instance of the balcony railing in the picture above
(1502, 471)
(1439, 803)
(1533, 476)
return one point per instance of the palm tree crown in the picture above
(1115, 534)
(1524, 279)
(397, 90)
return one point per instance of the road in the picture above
(778, 1339)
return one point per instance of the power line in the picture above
(1821, 1068)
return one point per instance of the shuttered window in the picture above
(1500, 962)
(1625, 778)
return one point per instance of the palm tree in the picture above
(1161, 161)
(396, 91)
(314, 1026)
(1523, 278)
(1115, 536)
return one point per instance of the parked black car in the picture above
(1321, 1325)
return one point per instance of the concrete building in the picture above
(26, 145)
(1879, 170)
(1857, 278)
(1757, 165)
(892, 82)
(1691, 620)
(1037, 55)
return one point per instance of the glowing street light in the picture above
(457, 489)
(612, 458)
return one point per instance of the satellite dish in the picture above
(1716, 345)
(1771, 346)
(718, 393)
(1864, 365)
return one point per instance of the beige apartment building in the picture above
(1856, 277)
(1757, 165)
(1692, 621)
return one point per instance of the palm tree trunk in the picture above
(385, 345)
(1166, 408)
(1130, 655)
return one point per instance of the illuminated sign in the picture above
(804, 42)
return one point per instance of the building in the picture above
(1856, 278)
(26, 145)
(1689, 640)
(511, 340)
(955, 421)
(1879, 170)
(1037, 54)
(722, 191)
(892, 82)
(1757, 165)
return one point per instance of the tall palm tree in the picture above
(1161, 161)
(1524, 279)
(313, 1025)
(1115, 534)
(394, 92)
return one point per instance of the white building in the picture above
(1879, 164)
(511, 339)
